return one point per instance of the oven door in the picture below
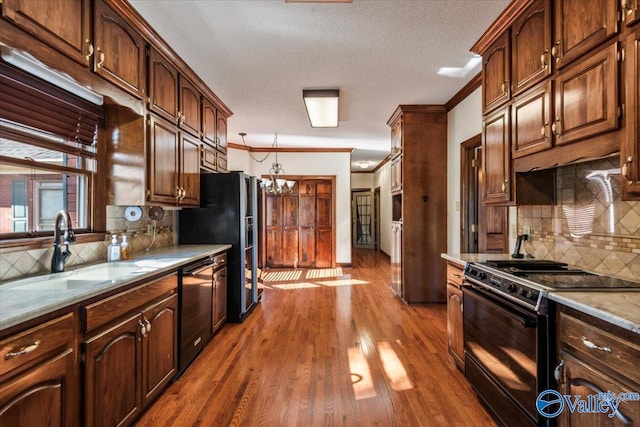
(501, 355)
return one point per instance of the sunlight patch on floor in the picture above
(361, 379)
(282, 276)
(297, 285)
(322, 273)
(343, 282)
(393, 367)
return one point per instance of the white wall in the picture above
(382, 179)
(362, 180)
(464, 121)
(325, 164)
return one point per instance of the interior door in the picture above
(307, 249)
(363, 219)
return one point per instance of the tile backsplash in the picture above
(18, 263)
(589, 226)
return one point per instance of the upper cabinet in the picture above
(630, 148)
(580, 26)
(496, 76)
(189, 115)
(221, 132)
(119, 50)
(530, 46)
(209, 132)
(65, 25)
(163, 86)
(496, 147)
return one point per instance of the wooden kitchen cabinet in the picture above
(120, 51)
(38, 376)
(454, 314)
(219, 315)
(64, 25)
(174, 165)
(396, 174)
(315, 224)
(208, 158)
(133, 353)
(581, 26)
(496, 159)
(221, 133)
(586, 97)
(396, 138)
(596, 357)
(396, 259)
(420, 204)
(496, 74)
(531, 118)
(630, 147)
(630, 11)
(163, 86)
(209, 122)
(189, 115)
(531, 46)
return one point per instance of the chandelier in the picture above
(275, 184)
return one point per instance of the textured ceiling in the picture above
(258, 55)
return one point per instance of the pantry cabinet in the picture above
(630, 147)
(64, 25)
(581, 26)
(530, 46)
(120, 50)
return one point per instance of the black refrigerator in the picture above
(227, 215)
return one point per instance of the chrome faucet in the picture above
(60, 257)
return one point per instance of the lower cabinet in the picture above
(219, 299)
(41, 376)
(131, 357)
(595, 359)
(455, 336)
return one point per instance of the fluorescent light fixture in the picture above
(33, 66)
(322, 107)
(461, 72)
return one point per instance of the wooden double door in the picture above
(299, 225)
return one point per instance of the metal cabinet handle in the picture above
(143, 328)
(581, 382)
(555, 126)
(558, 372)
(555, 51)
(504, 185)
(594, 346)
(543, 59)
(625, 6)
(177, 193)
(147, 324)
(625, 169)
(100, 58)
(89, 49)
(456, 275)
(543, 131)
(22, 350)
(504, 86)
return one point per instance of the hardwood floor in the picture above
(325, 351)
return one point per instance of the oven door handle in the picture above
(481, 293)
(197, 269)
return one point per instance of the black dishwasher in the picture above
(195, 298)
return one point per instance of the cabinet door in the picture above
(582, 379)
(41, 397)
(189, 170)
(208, 157)
(586, 97)
(631, 11)
(307, 251)
(582, 25)
(396, 137)
(630, 147)
(62, 24)
(189, 107)
(454, 324)
(160, 346)
(209, 122)
(396, 259)
(113, 375)
(163, 86)
(531, 121)
(324, 229)
(396, 174)
(119, 51)
(163, 162)
(221, 132)
(530, 46)
(496, 79)
(496, 160)
(219, 299)
(222, 162)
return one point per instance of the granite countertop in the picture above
(26, 299)
(621, 308)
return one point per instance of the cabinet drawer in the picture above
(618, 353)
(454, 274)
(32, 344)
(220, 260)
(101, 312)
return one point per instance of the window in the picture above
(48, 149)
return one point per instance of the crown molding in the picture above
(466, 90)
(288, 149)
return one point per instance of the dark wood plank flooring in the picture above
(326, 351)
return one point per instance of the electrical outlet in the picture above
(526, 229)
(150, 229)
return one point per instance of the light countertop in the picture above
(26, 299)
(462, 259)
